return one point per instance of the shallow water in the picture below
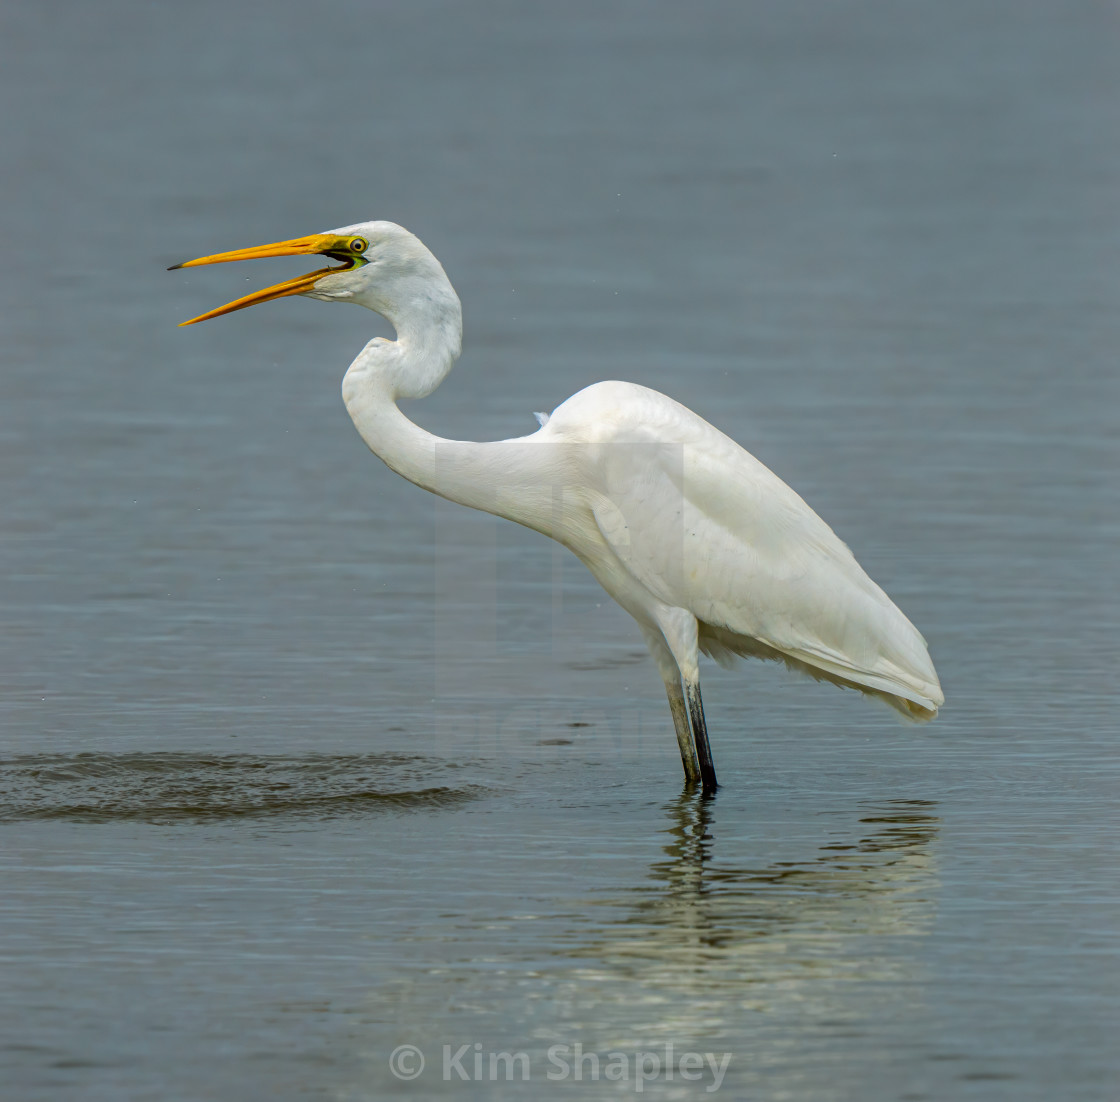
(299, 765)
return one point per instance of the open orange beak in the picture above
(322, 244)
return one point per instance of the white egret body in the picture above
(704, 546)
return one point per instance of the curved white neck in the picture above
(371, 388)
(511, 478)
(412, 366)
(428, 319)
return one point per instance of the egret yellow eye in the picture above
(359, 245)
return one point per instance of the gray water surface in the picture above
(299, 764)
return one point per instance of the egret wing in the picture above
(705, 526)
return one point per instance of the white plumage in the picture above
(704, 546)
(702, 525)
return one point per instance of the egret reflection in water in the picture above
(772, 934)
(806, 946)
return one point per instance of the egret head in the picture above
(381, 266)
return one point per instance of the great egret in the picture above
(705, 547)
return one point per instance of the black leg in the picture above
(700, 738)
(684, 733)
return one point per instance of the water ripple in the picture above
(175, 787)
